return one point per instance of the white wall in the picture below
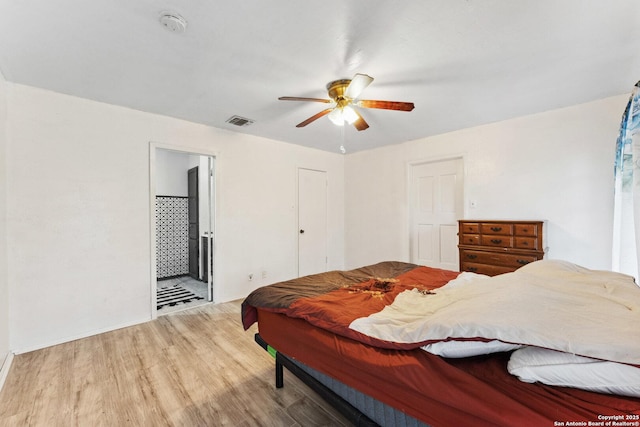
(556, 166)
(171, 173)
(172, 168)
(78, 197)
(4, 287)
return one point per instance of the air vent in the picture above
(239, 121)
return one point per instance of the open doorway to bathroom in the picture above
(184, 225)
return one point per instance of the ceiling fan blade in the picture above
(296, 98)
(314, 117)
(357, 85)
(386, 105)
(360, 123)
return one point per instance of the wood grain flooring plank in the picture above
(195, 367)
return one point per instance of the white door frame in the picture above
(409, 186)
(213, 217)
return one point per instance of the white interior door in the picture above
(436, 203)
(312, 221)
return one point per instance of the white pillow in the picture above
(457, 349)
(531, 364)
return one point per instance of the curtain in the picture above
(626, 219)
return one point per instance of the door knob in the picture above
(301, 231)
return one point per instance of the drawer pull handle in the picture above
(496, 241)
(525, 243)
(472, 256)
(496, 229)
(522, 262)
(472, 269)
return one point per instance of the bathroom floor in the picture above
(182, 285)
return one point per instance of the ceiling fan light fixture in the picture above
(344, 94)
(349, 115)
(339, 115)
(336, 117)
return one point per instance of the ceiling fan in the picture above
(344, 95)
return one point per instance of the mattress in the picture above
(373, 409)
(437, 391)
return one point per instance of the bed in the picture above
(400, 344)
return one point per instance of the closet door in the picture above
(436, 203)
(194, 252)
(312, 221)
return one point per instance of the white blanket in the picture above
(550, 304)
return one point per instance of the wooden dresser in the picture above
(495, 247)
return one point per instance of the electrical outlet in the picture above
(264, 274)
(250, 276)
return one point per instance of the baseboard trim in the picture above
(4, 370)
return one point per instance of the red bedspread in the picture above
(305, 315)
(332, 305)
(472, 391)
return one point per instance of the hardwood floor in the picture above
(191, 368)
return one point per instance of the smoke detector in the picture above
(173, 22)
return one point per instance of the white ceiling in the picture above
(462, 62)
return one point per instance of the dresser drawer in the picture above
(470, 239)
(526, 230)
(489, 270)
(497, 241)
(496, 258)
(469, 228)
(526, 243)
(496, 228)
